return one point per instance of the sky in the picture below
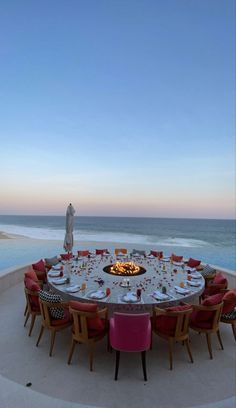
(124, 108)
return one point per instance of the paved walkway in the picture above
(206, 383)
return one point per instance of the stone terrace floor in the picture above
(188, 385)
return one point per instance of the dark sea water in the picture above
(212, 241)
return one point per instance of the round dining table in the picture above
(162, 283)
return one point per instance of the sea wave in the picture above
(100, 236)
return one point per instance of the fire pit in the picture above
(124, 269)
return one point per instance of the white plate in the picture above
(160, 296)
(181, 291)
(72, 289)
(97, 294)
(196, 275)
(61, 281)
(52, 274)
(194, 283)
(178, 263)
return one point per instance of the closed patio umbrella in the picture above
(68, 241)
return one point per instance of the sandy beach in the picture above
(4, 236)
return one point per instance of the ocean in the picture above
(212, 241)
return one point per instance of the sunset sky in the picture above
(124, 108)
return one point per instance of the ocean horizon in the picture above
(211, 240)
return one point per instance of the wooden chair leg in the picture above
(53, 335)
(234, 330)
(189, 350)
(171, 353)
(91, 353)
(33, 316)
(208, 336)
(117, 364)
(73, 343)
(26, 308)
(40, 335)
(219, 338)
(143, 356)
(27, 318)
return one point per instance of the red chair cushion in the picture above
(193, 263)
(31, 274)
(60, 322)
(229, 300)
(101, 251)
(83, 253)
(34, 287)
(66, 257)
(167, 324)
(176, 258)
(158, 254)
(31, 285)
(201, 324)
(94, 323)
(219, 279)
(39, 266)
(203, 316)
(209, 291)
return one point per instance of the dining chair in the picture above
(214, 284)
(40, 270)
(31, 274)
(228, 314)
(33, 309)
(123, 251)
(89, 326)
(172, 324)
(130, 333)
(206, 317)
(50, 322)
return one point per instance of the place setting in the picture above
(131, 297)
(59, 281)
(98, 294)
(72, 289)
(182, 289)
(54, 273)
(160, 296)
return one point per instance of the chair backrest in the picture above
(120, 251)
(217, 310)
(45, 311)
(32, 299)
(182, 321)
(80, 322)
(132, 332)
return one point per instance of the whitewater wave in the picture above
(96, 236)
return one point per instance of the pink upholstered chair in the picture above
(130, 333)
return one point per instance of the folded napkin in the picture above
(99, 294)
(130, 297)
(182, 291)
(159, 295)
